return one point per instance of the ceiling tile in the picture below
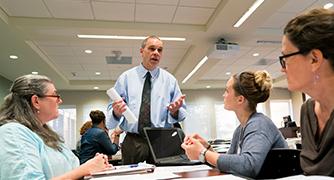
(199, 3)
(296, 6)
(154, 13)
(161, 2)
(27, 8)
(72, 9)
(114, 11)
(190, 15)
(57, 50)
(277, 20)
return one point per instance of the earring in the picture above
(37, 111)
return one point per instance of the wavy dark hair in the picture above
(313, 30)
(17, 107)
(97, 117)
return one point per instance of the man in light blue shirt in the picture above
(167, 102)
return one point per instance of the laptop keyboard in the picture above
(179, 158)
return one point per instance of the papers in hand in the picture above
(126, 169)
(129, 116)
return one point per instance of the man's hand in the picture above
(175, 106)
(118, 108)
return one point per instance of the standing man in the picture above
(153, 95)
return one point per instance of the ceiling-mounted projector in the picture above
(118, 59)
(222, 49)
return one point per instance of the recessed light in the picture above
(13, 57)
(34, 72)
(256, 54)
(228, 73)
(328, 5)
(96, 87)
(88, 51)
(97, 73)
(208, 86)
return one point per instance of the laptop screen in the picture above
(165, 142)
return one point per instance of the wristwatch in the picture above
(202, 155)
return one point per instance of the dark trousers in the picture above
(135, 149)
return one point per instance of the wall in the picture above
(89, 100)
(98, 99)
(4, 88)
(297, 100)
(209, 97)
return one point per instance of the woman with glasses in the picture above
(308, 62)
(29, 148)
(255, 135)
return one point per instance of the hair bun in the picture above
(263, 80)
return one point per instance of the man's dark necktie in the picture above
(145, 107)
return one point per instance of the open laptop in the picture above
(165, 146)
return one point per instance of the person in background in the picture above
(87, 125)
(96, 139)
(255, 135)
(149, 83)
(308, 62)
(30, 149)
(115, 134)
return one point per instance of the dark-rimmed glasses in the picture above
(282, 58)
(55, 96)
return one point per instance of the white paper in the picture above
(179, 169)
(129, 116)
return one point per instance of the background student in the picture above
(96, 139)
(30, 149)
(308, 62)
(255, 135)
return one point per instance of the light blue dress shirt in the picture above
(165, 90)
(24, 155)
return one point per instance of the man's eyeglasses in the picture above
(55, 96)
(282, 58)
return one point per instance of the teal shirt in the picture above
(24, 155)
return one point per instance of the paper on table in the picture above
(130, 117)
(179, 169)
(126, 169)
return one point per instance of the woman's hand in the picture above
(98, 163)
(193, 147)
(199, 138)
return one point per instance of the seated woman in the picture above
(96, 139)
(29, 147)
(87, 125)
(255, 135)
(308, 62)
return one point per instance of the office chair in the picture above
(289, 132)
(280, 162)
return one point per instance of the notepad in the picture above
(125, 170)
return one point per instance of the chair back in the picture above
(289, 132)
(280, 162)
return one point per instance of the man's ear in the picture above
(317, 59)
(35, 102)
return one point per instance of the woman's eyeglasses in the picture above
(283, 58)
(55, 96)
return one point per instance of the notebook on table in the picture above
(165, 146)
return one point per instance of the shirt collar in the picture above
(142, 71)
